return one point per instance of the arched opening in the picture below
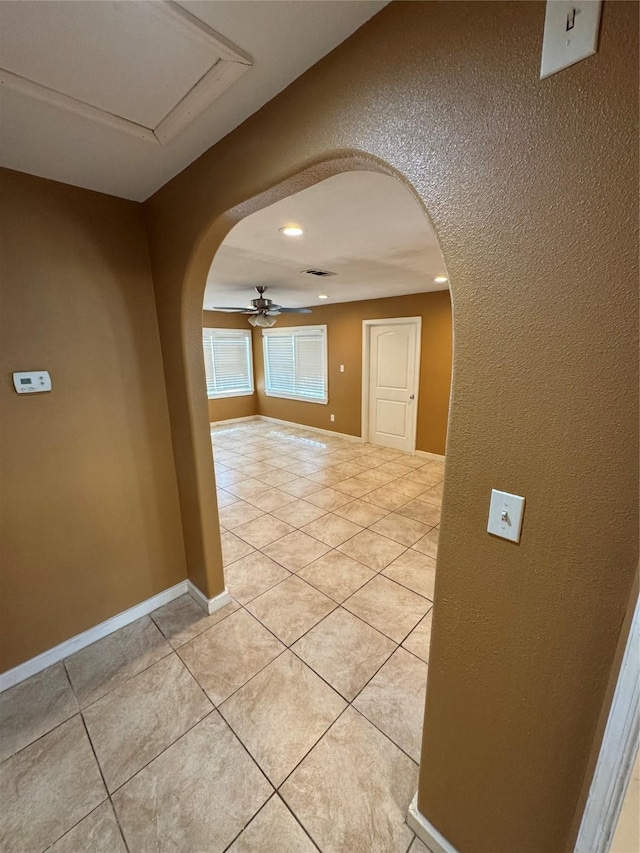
(529, 238)
(201, 534)
(329, 534)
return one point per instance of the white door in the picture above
(393, 384)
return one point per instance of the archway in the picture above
(205, 563)
(192, 324)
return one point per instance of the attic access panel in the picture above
(145, 68)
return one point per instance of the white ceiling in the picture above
(121, 95)
(364, 226)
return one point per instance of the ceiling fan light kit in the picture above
(262, 320)
(263, 312)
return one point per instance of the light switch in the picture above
(32, 381)
(505, 515)
(342, 368)
(570, 33)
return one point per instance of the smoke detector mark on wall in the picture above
(319, 273)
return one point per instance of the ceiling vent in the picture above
(318, 273)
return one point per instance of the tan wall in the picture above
(224, 408)
(532, 189)
(344, 339)
(89, 508)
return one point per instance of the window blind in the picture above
(296, 363)
(227, 362)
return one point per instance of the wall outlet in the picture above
(332, 417)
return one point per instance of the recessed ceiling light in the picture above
(441, 279)
(292, 231)
(322, 296)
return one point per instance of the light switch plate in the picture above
(32, 381)
(570, 33)
(505, 515)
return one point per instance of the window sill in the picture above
(226, 394)
(322, 402)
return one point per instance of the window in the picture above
(295, 363)
(227, 362)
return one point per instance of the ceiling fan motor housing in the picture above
(261, 303)
(263, 311)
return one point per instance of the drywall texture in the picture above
(90, 520)
(344, 344)
(531, 186)
(223, 408)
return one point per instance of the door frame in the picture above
(618, 752)
(367, 325)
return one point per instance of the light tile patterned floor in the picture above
(290, 720)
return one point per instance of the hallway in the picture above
(317, 670)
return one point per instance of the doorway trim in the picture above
(617, 754)
(367, 325)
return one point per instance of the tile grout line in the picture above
(285, 646)
(289, 648)
(340, 605)
(349, 702)
(167, 654)
(297, 819)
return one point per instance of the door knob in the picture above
(412, 397)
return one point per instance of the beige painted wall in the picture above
(532, 189)
(90, 520)
(344, 338)
(223, 408)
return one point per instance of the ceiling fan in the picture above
(263, 312)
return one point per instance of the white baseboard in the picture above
(80, 641)
(331, 432)
(233, 420)
(426, 831)
(425, 454)
(437, 457)
(209, 605)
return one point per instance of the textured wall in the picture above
(344, 334)
(89, 505)
(532, 189)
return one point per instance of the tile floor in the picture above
(287, 722)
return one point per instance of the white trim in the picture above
(426, 454)
(209, 605)
(423, 453)
(234, 420)
(613, 770)
(80, 641)
(617, 753)
(230, 63)
(367, 325)
(224, 395)
(322, 402)
(355, 438)
(39, 92)
(426, 831)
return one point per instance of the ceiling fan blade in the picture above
(295, 310)
(233, 310)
